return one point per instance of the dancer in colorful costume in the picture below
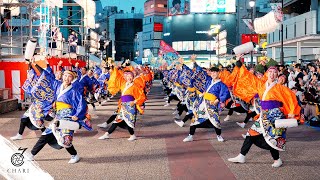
(41, 106)
(277, 102)
(212, 96)
(70, 107)
(132, 98)
(186, 79)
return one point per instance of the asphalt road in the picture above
(159, 152)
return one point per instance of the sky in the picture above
(125, 5)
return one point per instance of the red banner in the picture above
(166, 48)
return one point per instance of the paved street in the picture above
(159, 152)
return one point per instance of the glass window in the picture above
(286, 32)
(273, 37)
(175, 45)
(190, 45)
(180, 44)
(185, 46)
(152, 6)
(197, 45)
(203, 45)
(161, 5)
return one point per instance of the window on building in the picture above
(165, 6)
(273, 37)
(305, 26)
(161, 5)
(152, 6)
(286, 32)
(150, 19)
(294, 30)
(155, 51)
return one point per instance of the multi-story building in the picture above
(99, 15)
(102, 18)
(154, 13)
(233, 13)
(122, 31)
(198, 29)
(190, 34)
(301, 32)
(138, 48)
(244, 12)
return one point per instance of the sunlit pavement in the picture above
(159, 152)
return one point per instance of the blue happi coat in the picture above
(203, 108)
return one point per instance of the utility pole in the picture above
(218, 54)
(252, 4)
(282, 53)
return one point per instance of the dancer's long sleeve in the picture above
(116, 81)
(248, 85)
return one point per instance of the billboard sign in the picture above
(247, 38)
(177, 7)
(213, 6)
(158, 27)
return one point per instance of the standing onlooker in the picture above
(305, 75)
(298, 74)
(283, 70)
(73, 42)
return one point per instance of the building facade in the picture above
(154, 13)
(122, 31)
(301, 33)
(189, 34)
(102, 18)
(138, 48)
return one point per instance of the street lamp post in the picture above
(251, 4)
(210, 32)
(87, 46)
(218, 50)
(281, 53)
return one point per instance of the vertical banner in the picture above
(16, 92)
(167, 53)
